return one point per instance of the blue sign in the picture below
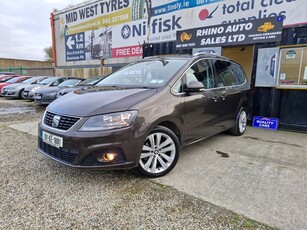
(75, 47)
(265, 123)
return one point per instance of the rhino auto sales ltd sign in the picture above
(248, 32)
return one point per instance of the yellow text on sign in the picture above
(116, 18)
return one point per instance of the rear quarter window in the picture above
(238, 73)
(228, 73)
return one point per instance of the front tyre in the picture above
(160, 152)
(20, 93)
(241, 122)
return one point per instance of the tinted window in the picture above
(225, 73)
(238, 73)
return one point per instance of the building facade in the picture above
(104, 35)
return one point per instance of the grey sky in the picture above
(25, 27)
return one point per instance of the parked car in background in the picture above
(84, 84)
(46, 95)
(29, 91)
(16, 90)
(4, 78)
(7, 73)
(14, 80)
(141, 115)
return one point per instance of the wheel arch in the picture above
(173, 127)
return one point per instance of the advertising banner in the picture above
(249, 32)
(124, 25)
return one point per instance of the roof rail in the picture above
(201, 52)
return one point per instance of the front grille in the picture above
(64, 124)
(61, 154)
(47, 100)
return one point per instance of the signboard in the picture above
(265, 123)
(121, 27)
(75, 47)
(249, 32)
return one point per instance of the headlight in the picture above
(109, 121)
(35, 88)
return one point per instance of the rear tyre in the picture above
(241, 122)
(160, 152)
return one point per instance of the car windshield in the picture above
(47, 81)
(70, 82)
(28, 80)
(90, 81)
(147, 73)
(13, 80)
(6, 78)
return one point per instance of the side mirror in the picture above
(195, 87)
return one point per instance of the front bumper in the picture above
(28, 95)
(42, 99)
(9, 93)
(82, 149)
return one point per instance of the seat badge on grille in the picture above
(56, 121)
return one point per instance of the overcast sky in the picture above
(25, 27)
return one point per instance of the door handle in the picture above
(223, 97)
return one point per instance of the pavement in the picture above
(261, 175)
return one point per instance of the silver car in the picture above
(16, 90)
(29, 92)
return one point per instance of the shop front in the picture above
(283, 96)
(276, 68)
(268, 38)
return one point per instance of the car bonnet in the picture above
(99, 101)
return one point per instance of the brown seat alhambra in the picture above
(143, 114)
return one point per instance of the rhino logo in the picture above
(185, 37)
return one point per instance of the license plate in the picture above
(38, 97)
(53, 140)
(25, 94)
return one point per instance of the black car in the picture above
(142, 115)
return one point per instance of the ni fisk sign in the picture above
(248, 32)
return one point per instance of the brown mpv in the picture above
(141, 115)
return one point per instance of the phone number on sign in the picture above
(115, 19)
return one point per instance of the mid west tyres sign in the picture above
(117, 28)
(249, 32)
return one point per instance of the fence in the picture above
(30, 71)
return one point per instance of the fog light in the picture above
(107, 157)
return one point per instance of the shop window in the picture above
(293, 68)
